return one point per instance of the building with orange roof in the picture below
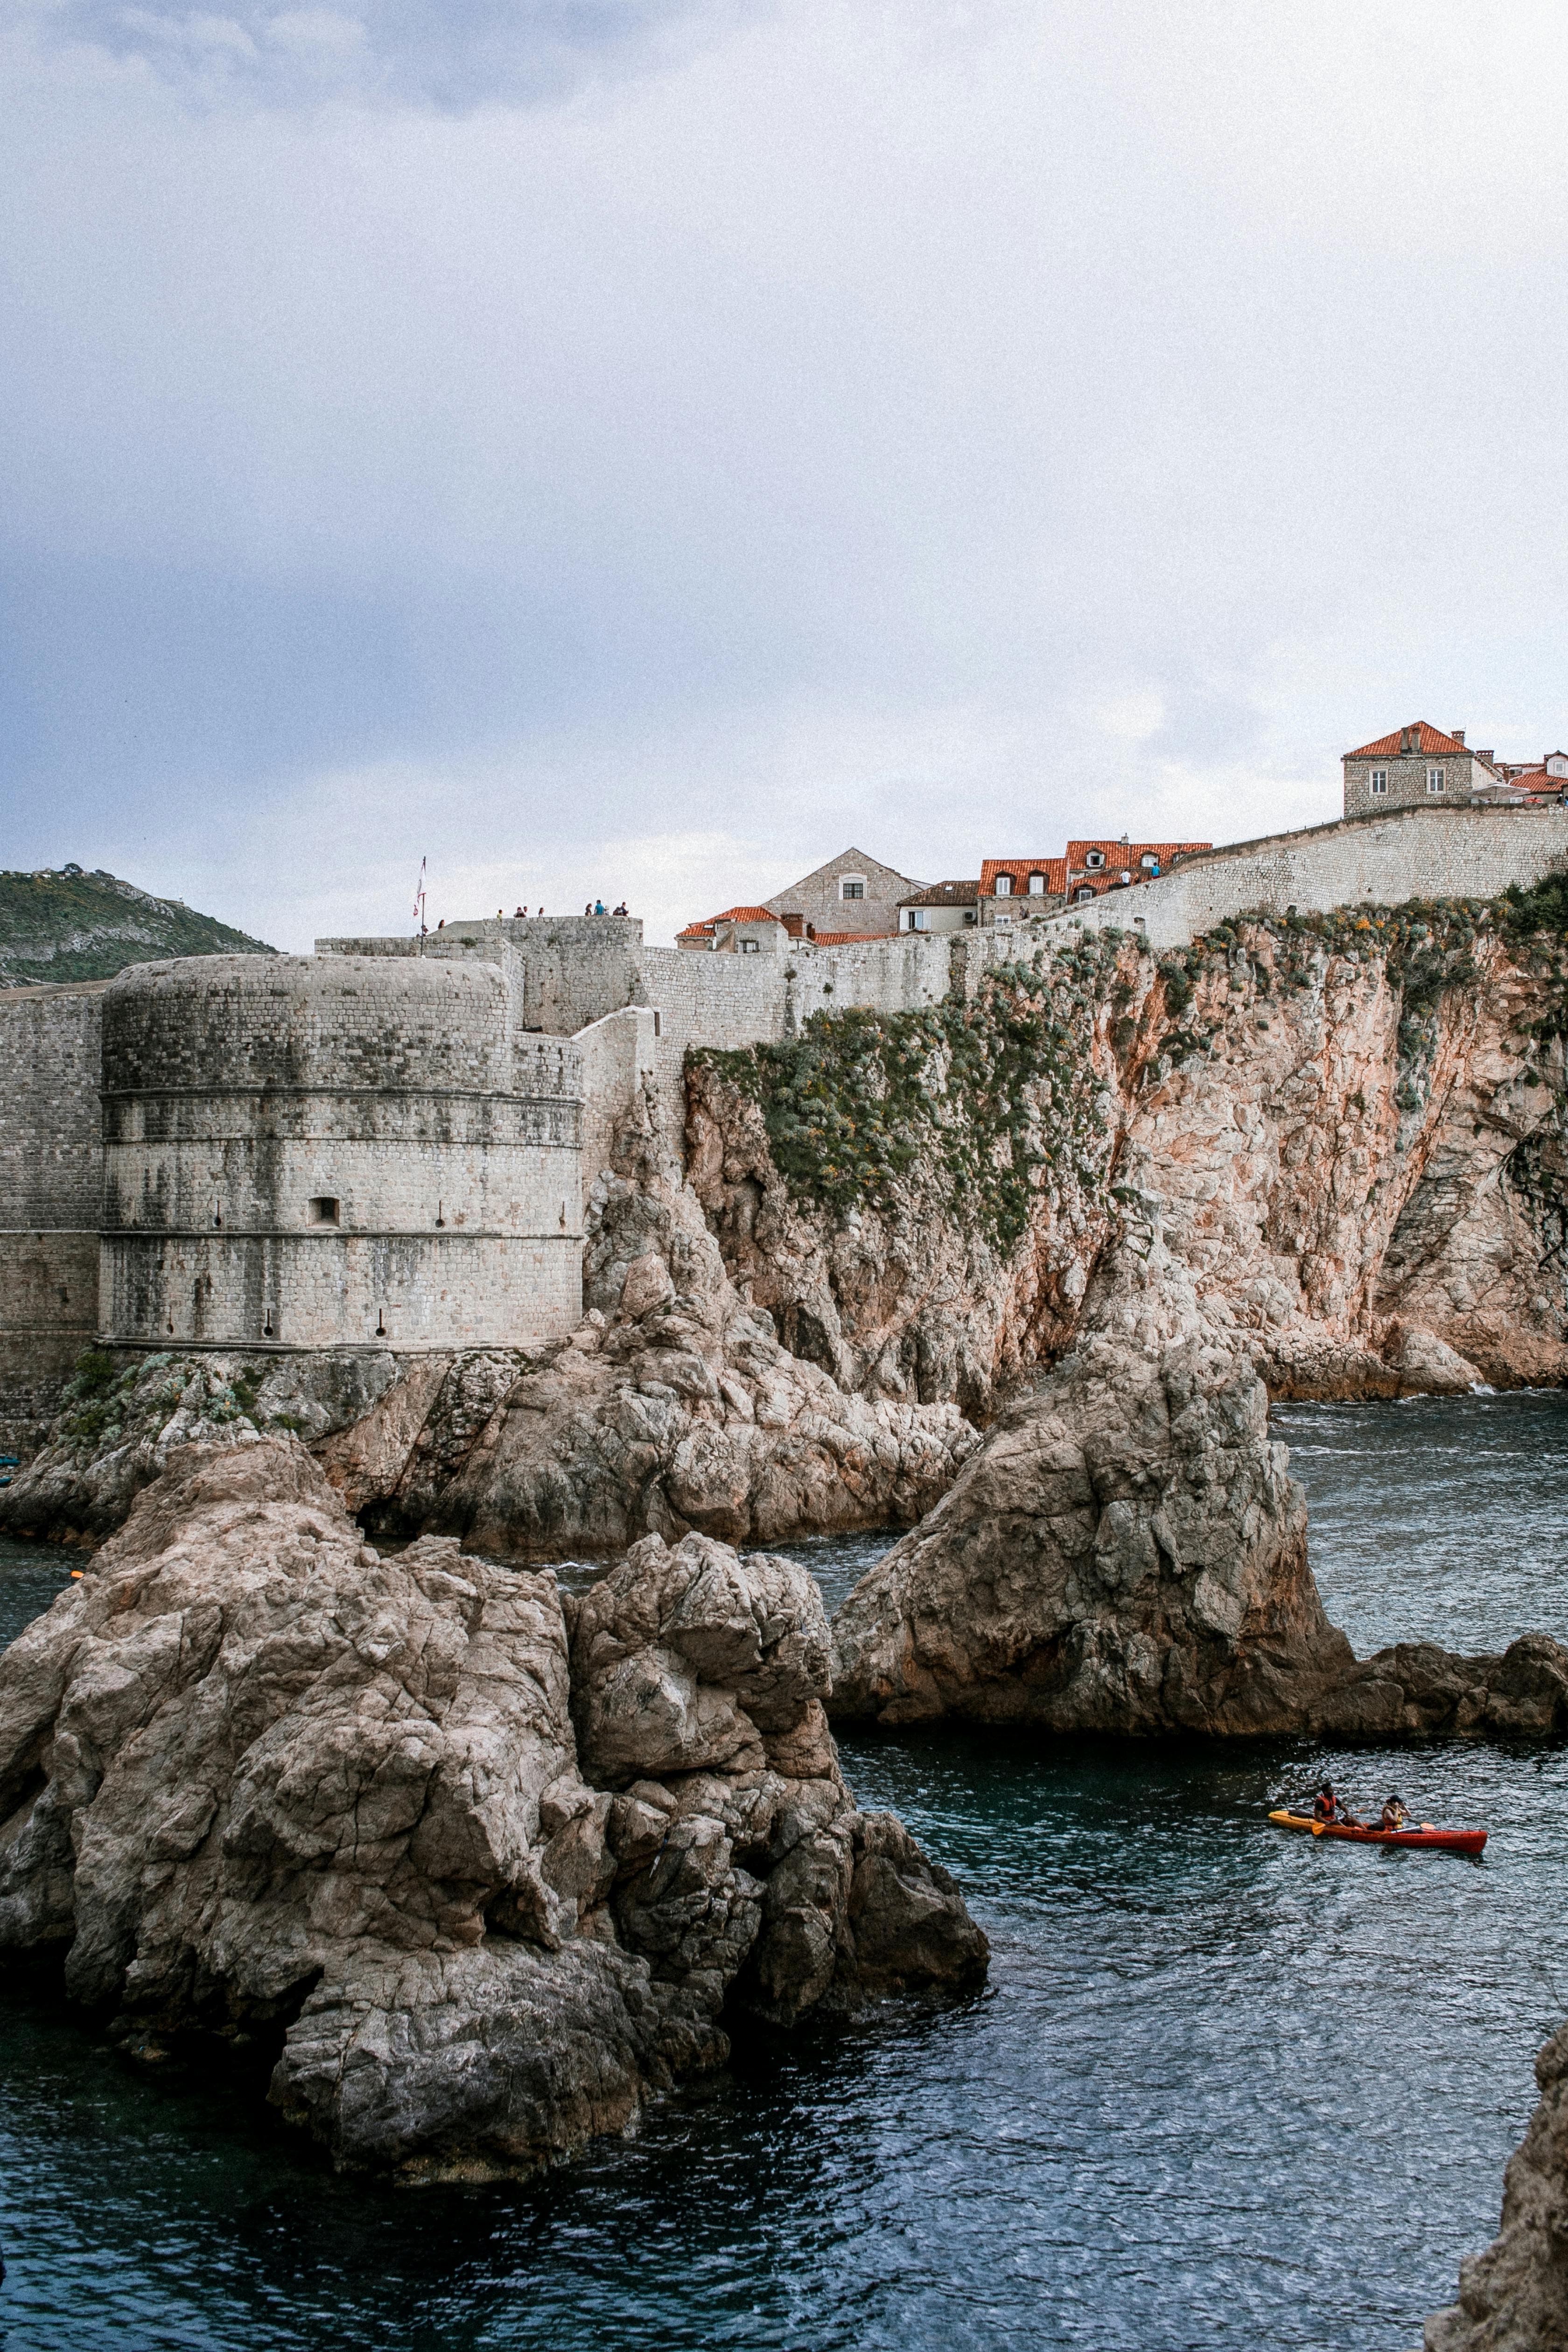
(738, 930)
(1089, 867)
(1419, 766)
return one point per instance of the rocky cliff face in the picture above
(672, 1407)
(484, 1864)
(1348, 1130)
(1514, 2296)
(1306, 1153)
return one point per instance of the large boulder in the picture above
(1125, 1553)
(258, 1781)
(1514, 2296)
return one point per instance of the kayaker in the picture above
(1394, 1815)
(1325, 1804)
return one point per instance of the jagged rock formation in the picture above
(69, 926)
(259, 1781)
(673, 1406)
(1514, 2296)
(1126, 1553)
(1349, 1129)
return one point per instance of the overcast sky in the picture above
(645, 445)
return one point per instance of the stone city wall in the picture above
(51, 1191)
(50, 1167)
(405, 1292)
(1417, 853)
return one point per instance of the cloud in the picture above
(572, 440)
(399, 52)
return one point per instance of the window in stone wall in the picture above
(325, 1210)
(852, 886)
(1434, 780)
(1377, 782)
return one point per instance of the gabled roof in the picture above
(1539, 780)
(1130, 853)
(846, 939)
(849, 861)
(944, 894)
(731, 915)
(1424, 742)
(1018, 870)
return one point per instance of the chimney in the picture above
(1458, 733)
(1486, 759)
(1405, 739)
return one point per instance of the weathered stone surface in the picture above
(1514, 2296)
(118, 1431)
(1126, 1553)
(1369, 1194)
(258, 1781)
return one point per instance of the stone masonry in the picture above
(385, 1146)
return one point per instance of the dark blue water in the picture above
(1201, 2037)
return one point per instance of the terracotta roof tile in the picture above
(731, 915)
(1428, 741)
(1019, 870)
(847, 939)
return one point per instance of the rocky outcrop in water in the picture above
(1126, 1553)
(487, 1864)
(1514, 2296)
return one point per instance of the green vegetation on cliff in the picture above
(997, 1092)
(75, 926)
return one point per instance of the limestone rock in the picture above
(1514, 2296)
(133, 1412)
(1125, 1553)
(256, 1780)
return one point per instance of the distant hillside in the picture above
(77, 926)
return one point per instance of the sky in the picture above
(640, 447)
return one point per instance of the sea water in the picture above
(1225, 2086)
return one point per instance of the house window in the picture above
(1557, 765)
(323, 1211)
(1377, 782)
(1095, 857)
(917, 919)
(750, 946)
(1151, 865)
(1036, 886)
(1084, 896)
(1004, 886)
(1434, 780)
(852, 886)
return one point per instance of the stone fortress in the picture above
(393, 1144)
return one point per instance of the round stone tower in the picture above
(307, 1152)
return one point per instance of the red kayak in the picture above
(1444, 1840)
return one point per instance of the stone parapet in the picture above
(1381, 860)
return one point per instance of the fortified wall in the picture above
(1414, 853)
(51, 1187)
(387, 1145)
